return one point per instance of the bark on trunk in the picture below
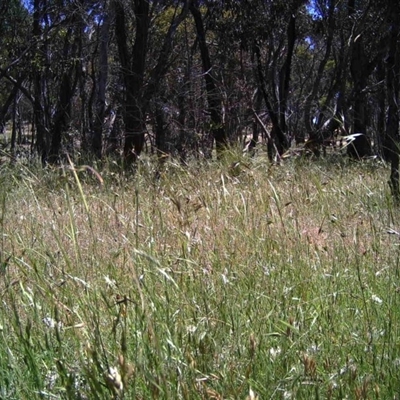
(361, 146)
(133, 69)
(97, 139)
(311, 98)
(42, 131)
(381, 100)
(277, 135)
(66, 93)
(284, 74)
(213, 96)
(133, 65)
(6, 106)
(393, 87)
(360, 68)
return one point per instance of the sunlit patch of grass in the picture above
(224, 280)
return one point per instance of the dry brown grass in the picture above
(204, 259)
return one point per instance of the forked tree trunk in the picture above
(277, 134)
(311, 98)
(213, 96)
(133, 67)
(66, 92)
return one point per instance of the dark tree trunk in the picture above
(213, 96)
(62, 117)
(14, 124)
(133, 69)
(162, 130)
(42, 132)
(361, 146)
(182, 106)
(311, 98)
(277, 134)
(360, 68)
(381, 101)
(133, 65)
(97, 139)
(6, 106)
(336, 94)
(67, 89)
(255, 124)
(284, 73)
(185, 140)
(393, 86)
(134, 77)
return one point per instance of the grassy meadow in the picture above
(214, 281)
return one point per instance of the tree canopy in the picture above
(101, 77)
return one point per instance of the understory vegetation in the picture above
(229, 280)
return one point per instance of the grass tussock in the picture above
(236, 280)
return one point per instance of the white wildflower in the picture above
(274, 352)
(81, 281)
(376, 299)
(191, 329)
(287, 394)
(111, 283)
(313, 349)
(52, 323)
(114, 380)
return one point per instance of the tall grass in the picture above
(219, 281)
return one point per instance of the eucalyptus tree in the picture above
(100, 78)
(14, 46)
(211, 78)
(140, 80)
(319, 50)
(275, 32)
(59, 35)
(251, 60)
(392, 60)
(357, 39)
(367, 38)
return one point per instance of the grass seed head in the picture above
(310, 366)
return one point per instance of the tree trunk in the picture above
(393, 86)
(133, 65)
(14, 125)
(62, 117)
(311, 98)
(381, 100)
(39, 109)
(361, 146)
(97, 138)
(213, 96)
(277, 134)
(255, 124)
(6, 106)
(284, 73)
(133, 69)
(66, 92)
(359, 67)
